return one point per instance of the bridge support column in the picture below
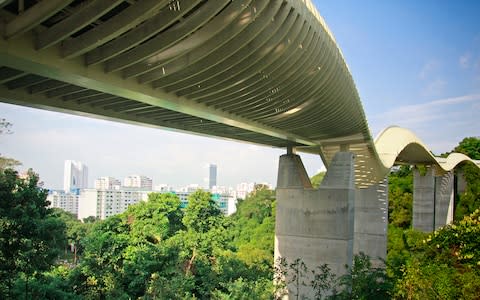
(315, 225)
(433, 200)
(371, 221)
(444, 199)
(423, 200)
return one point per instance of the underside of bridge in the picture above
(267, 72)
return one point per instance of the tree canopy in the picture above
(30, 236)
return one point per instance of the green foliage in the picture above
(363, 281)
(323, 281)
(469, 201)
(6, 163)
(75, 231)
(242, 289)
(401, 243)
(254, 222)
(30, 237)
(469, 146)
(202, 213)
(400, 197)
(446, 265)
(317, 179)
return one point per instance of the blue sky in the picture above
(416, 64)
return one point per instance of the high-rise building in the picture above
(212, 176)
(138, 181)
(107, 183)
(105, 203)
(65, 201)
(75, 176)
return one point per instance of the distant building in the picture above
(189, 188)
(243, 189)
(163, 188)
(105, 203)
(65, 201)
(107, 183)
(75, 176)
(138, 181)
(212, 176)
(225, 201)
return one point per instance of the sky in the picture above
(416, 64)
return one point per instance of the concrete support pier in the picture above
(444, 199)
(316, 226)
(371, 221)
(433, 199)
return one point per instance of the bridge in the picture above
(266, 72)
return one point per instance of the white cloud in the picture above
(441, 123)
(434, 87)
(428, 68)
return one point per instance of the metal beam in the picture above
(19, 55)
(213, 32)
(118, 24)
(20, 97)
(34, 16)
(185, 61)
(142, 32)
(161, 42)
(8, 74)
(87, 14)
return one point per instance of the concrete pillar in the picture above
(461, 182)
(371, 221)
(423, 200)
(315, 225)
(433, 200)
(444, 199)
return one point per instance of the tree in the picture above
(364, 281)
(469, 146)
(446, 265)
(5, 162)
(30, 237)
(400, 197)
(5, 126)
(75, 232)
(469, 201)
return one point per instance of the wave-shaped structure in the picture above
(262, 71)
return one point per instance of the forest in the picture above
(158, 250)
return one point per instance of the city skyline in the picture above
(416, 65)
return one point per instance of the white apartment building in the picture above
(107, 183)
(65, 201)
(138, 181)
(163, 188)
(75, 176)
(189, 188)
(105, 203)
(244, 188)
(226, 202)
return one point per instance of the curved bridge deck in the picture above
(262, 71)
